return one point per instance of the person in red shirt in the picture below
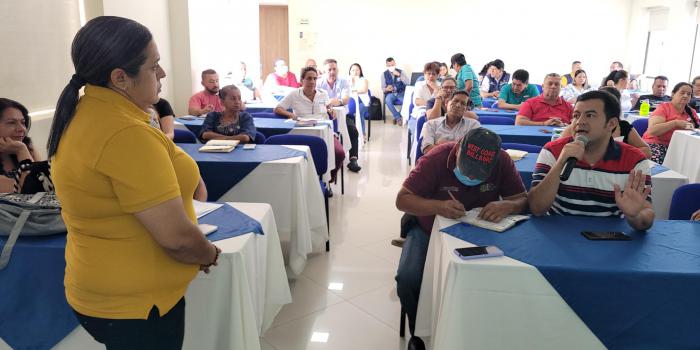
(547, 108)
(208, 99)
(669, 117)
(281, 77)
(448, 181)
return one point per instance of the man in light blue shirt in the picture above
(338, 90)
(466, 79)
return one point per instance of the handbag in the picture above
(36, 214)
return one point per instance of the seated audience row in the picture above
(475, 173)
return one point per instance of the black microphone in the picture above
(571, 162)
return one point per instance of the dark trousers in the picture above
(354, 135)
(154, 333)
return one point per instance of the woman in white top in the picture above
(620, 80)
(310, 101)
(580, 85)
(429, 88)
(360, 86)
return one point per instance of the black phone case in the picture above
(606, 236)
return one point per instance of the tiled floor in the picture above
(346, 299)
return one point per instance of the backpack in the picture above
(36, 214)
(375, 108)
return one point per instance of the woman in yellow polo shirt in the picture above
(126, 194)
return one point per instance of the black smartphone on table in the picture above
(606, 236)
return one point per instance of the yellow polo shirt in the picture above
(109, 165)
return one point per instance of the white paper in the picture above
(204, 208)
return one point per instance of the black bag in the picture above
(375, 108)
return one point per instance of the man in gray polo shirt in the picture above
(450, 128)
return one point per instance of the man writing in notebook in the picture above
(451, 179)
(608, 178)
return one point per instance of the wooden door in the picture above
(274, 37)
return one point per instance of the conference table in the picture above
(630, 117)
(283, 176)
(273, 126)
(531, 135)
(495, 112)
(554, 289)
(681, 154)
(663, 181)
(230, 308)
(260, 107)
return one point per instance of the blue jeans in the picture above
(410, 273)
(389, 101)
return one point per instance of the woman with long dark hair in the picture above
(16, 150)
(669, 117)
(126, 193)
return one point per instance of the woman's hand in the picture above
(8, 145)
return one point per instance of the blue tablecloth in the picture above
(266, 126)
(525, 167)
(254, 109)
(34, 313)
(658, 169)
(639, 294)
(495, 112)
(531, 135)
(222, 171)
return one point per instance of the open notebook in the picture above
(472, 217)
(219, 146)
(516, 154)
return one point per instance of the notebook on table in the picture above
(219, 146)
(472, 217)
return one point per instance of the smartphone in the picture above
(478, 252)
(249, 146)
(606, 236)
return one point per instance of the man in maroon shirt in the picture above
(451, 179)
(547, 108)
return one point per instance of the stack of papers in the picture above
(472, 217)
(516, 154)
(219, 146)
(204, 208)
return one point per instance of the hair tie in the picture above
(76, 81)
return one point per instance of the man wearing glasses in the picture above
(450, 128)
(437, 106)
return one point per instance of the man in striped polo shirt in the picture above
(609, 179)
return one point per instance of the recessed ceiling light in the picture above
(320, 337)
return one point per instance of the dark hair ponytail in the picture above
(105, 43)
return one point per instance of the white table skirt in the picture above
(292, 188)
(493, 303)
(236, 303)
(663, 186)
(682, 156)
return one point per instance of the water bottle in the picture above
(644, 108)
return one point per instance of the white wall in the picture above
(540, 36)
(154, 15)
(679, 46)
(222, 34)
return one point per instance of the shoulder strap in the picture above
(12, 238)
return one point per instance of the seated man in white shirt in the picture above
(450, 128)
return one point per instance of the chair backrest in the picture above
(539, 87)
(319, 152)
(259, 138)
(685, 201)
(641, 125)
(270, 115)
(184, 136)
(419, 137)
(522, 147)
(493, 120)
